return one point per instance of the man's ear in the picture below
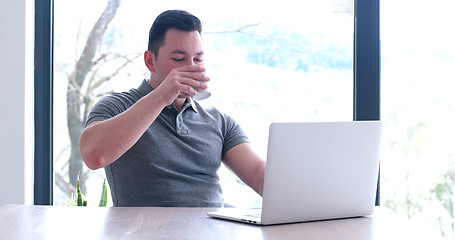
(149, 59)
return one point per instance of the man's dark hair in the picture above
(177, 19)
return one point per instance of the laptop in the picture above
(316, 171)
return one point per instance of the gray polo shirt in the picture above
(175, 162)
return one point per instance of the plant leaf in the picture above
(79, 201)
(103, 198)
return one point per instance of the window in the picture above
(43, 53)
(417, 103)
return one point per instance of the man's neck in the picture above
(179, 103)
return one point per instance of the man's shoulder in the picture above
(113, 104)
(213, 111)
(129, 97)
(133, 95)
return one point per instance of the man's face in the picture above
(180, 49)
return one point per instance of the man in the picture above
(159, 147)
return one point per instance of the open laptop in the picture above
(316, 171)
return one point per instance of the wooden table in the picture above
(49, 222)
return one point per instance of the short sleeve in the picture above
(233, 134)
(109, 106)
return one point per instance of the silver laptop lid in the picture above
(320, 170)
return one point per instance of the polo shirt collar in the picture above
(192, 104)
(145, 89)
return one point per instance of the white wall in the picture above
(16, 101)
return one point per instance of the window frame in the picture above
(43, 162)
(366, 77)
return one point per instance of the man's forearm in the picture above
(103, 142)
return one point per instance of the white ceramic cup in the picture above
(203, 93)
